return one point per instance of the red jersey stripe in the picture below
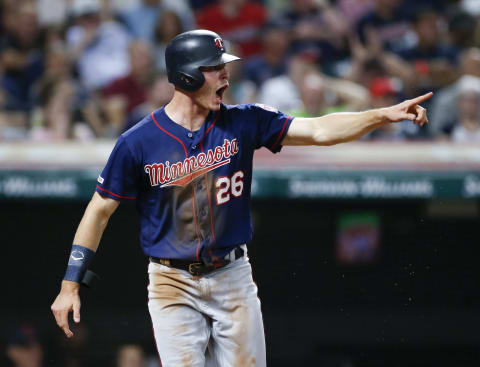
(208, 130)
(197, 252)
(116, 195)
(281, 133)
(170, 134)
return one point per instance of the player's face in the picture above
(210, 96)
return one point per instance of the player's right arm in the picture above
(88, 235)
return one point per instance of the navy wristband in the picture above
(78, 262)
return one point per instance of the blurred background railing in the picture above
(364, 170)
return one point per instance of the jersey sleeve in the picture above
(272, 127)
(119, 178)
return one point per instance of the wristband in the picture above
(90, 279)
(78, 262)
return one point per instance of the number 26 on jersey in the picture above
(228, 187)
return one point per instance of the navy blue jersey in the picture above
(192, 188)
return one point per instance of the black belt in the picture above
(199, 268)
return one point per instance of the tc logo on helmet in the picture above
(219, 43)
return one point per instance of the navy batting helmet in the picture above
(191, 50)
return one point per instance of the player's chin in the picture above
(215, 106)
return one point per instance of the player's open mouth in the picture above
(220, 92)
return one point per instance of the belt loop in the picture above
(231, 256)
(244, 248)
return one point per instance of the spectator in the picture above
(125, 93)
(117, 7)
(354, 10)
(160, 91)
(52, 120)
(471, 7)
(281, 92)
(131, 355)
(99, 47)
(431, 59)
(141, 19)
(312, 94)
(285, 92)
(21, 57)
(390, 24)
(240, 90)
(167, 27)
(321, 95)
(319, 27)
(200, 4)
(462, 28)
(271, 61)
(466, 129)
(239, 21)
(444, 107)
(13, 123)
(275, 7)
(24, 349)
(52, 12)
(58, 97)
(370, 61)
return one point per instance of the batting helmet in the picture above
(191, 50)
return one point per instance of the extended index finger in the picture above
(421, 99)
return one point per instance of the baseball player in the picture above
(188, 167)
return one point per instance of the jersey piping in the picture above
(212, 226)
(281, 134)
(116, 195)
(197, 252)
(170, 134)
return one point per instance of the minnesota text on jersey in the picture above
(183, 172)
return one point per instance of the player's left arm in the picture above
(342, 127)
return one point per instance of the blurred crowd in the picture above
(90, 69)
(26, 347)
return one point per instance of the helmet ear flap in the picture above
(186, 79)
(190, 82)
